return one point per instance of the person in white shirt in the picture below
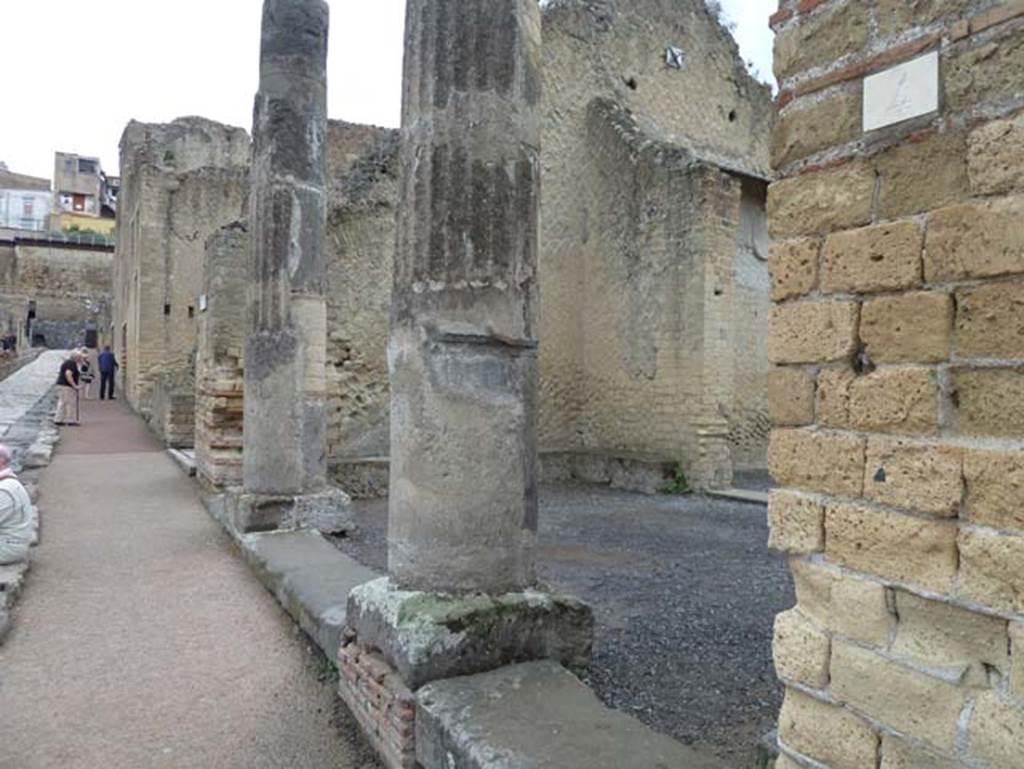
(17, 515)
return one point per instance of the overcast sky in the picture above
(77, 72)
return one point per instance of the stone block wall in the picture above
(363, 194)
(66, 284)
(897, 389)
(181, 182)
(653, 293)
(219, 358)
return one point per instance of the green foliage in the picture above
(678, 484)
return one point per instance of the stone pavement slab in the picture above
(536, 716)
(142, 639)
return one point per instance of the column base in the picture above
(430, 636)
(399, 640)
(328, 511)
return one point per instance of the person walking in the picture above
(108, 368)
(17, 515)
(67, 391)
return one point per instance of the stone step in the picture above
(536, 715)
(186, 460)
(310, 578)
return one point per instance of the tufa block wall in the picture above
(654, 290)
(363, 192)
(219, 386)
(181, 182)
(897, 387)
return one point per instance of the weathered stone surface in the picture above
(996, 732)
(995, 488)
(861, 610)
(995, 156)
(911, 702)
(922, 175)
(909, 328)
(812, 332)
(800, 650)
(821, 201)
(1017, 659)
(429, 636)
(975, 240)
(817, 461)
(833, 396)
(990, 321)
(948, 638)
(884, 256)
(793, 265)
(895, 16)
(828, 123)
(463, 344)
(897, 754)
(988, 401)
(837, 31)
(310, 578)
(813, 585)
(888, 400)
(990, 570)
(988, 72)
(893, 546)
(535, 714)
(796, 523)
(328, 510)
(790, 396)
(827, 733)
(917, 477)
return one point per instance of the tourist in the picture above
(17, 517)
(67, 390)
(85, 373)
(108, 367)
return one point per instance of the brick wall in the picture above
(897, 389)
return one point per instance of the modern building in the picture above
(82, 195)
(24, 201)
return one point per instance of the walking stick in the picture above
(78, 416)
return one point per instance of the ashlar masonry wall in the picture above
(897, 391)
(181, 182)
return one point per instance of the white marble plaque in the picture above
(903, 92)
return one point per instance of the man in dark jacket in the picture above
(108, 367)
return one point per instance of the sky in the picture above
(77, 71)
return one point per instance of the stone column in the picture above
(463, 507)
(284, 459)
(463, 504)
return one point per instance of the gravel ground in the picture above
(684, 591)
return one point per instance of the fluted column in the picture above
(463, 504)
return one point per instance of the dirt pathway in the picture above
(142, 640)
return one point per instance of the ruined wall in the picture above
(898, 272)
(363, 191)
(648, 290)
(220, 357)
(181, 182)
(69, 285)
